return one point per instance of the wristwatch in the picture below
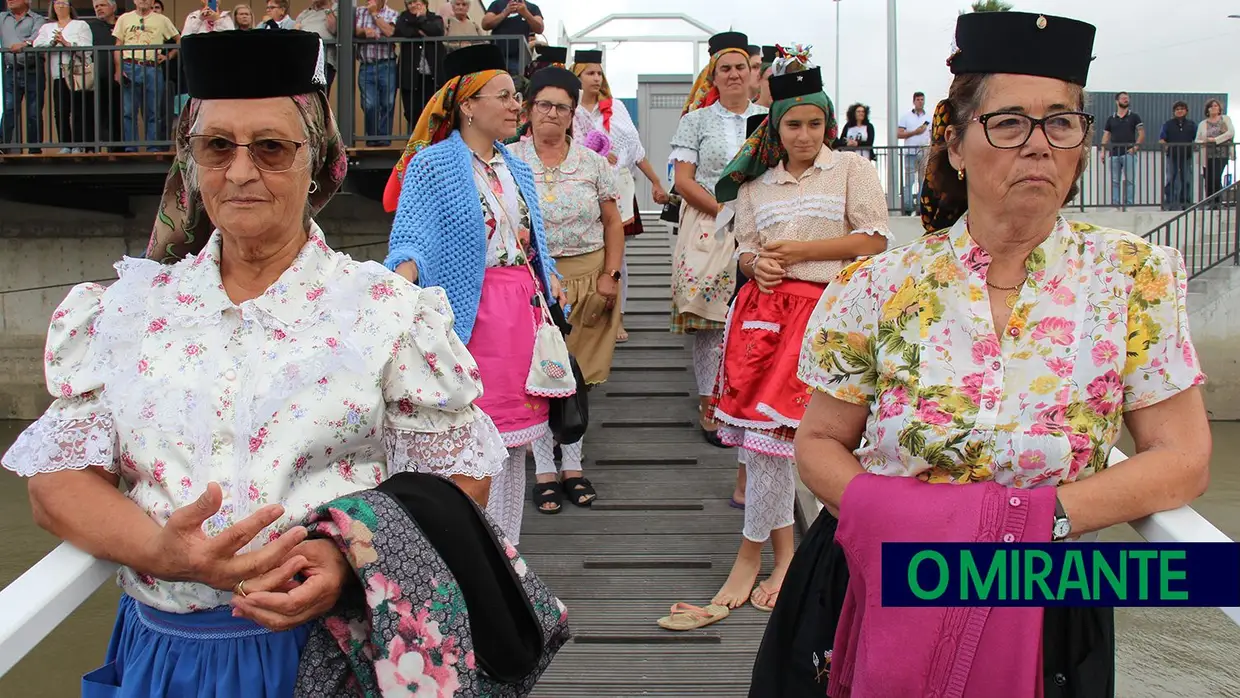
(614, 274)
(1062, 525)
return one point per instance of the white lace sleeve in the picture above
(430, 385)
(77, 431)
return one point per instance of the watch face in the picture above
(1062, 528)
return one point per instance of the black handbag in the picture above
(569, 417)
(671, 209)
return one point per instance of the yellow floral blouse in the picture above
(1100, 327)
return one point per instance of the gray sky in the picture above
(1141, 46)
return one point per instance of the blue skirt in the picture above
(207, 654)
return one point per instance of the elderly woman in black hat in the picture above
(987, 370)
(237, 378)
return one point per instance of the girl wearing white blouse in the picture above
(234, 380)
(599, 111)
(72, 76)
(710, 133)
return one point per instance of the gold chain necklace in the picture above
(1013, 291)
(548, 182)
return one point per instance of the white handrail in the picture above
(39, 600)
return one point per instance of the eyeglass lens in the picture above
(1013, 130)
(267, 154)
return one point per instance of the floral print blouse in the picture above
(340, 375)
(710, 138)
(1100, 328)
(570, 197)
(504, 211)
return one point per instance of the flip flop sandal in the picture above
(575, 488)
(736, 505)
(759, 606)
(622, 336)
(545, 493)
(689, 617)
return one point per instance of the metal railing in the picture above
(1207, 234)
(39, 600)
(81, 100)
(1171, 177)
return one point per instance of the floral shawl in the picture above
(436, 123)
(182, 227)
(763, 149)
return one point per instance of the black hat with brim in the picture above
(548, 55)
(220, 65)
(754, 50)
(474, 58)
(769, 54)
(798, 84)
(588, 56)
(752, 123)
(1023, 43)
(554, 76)
(727, 40)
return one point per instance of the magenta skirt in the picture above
(503, 345)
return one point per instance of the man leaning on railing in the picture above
(1177, 138)
(23, 75)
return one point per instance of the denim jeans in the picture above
(23, 83)
(377, 82)
(143, 88)
(913, 163)
(1123, 167)
(1179, 182)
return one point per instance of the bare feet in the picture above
(767, 592)
(735, 591)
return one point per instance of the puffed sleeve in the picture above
(839, 354)
(745, 222)
(77, 431)
(687, 139)
(1161, 359)
(865, 207)
(429, 386)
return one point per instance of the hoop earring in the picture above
(960, 174)
(314, 186)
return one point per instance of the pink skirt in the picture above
(503, 345)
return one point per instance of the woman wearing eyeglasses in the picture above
(468, 220)
(969, 387)
(578, 195)
(236, 379)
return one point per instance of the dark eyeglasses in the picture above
(1007, 130)
(268, 154)
(544, 107)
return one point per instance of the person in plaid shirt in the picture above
(376, 73)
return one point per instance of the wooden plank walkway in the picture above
(661, 531)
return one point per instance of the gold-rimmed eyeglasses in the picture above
(1007, 130)
(504, 97)
(268, 154)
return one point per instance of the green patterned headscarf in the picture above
(763, 149)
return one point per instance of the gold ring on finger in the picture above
(240, 589)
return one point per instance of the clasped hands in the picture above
(285, 583)
(768, 270)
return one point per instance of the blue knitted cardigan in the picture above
(439, 226)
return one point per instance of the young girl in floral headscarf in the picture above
(801, 211)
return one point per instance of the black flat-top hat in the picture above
(554, 76)
(769, 54)
(552, 54)
(752, 123)
(474, 58)
(220, 65)
(727, 40)
(754, 50)
(591, 55)
(1023, 43)
(798, 84)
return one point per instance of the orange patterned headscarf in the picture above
(704, 92)
(436, 123)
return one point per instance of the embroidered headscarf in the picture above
(704, 92)
(939, 212)
(794, 84)
(182, 226)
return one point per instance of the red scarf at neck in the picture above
(604, 108)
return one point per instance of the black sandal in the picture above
(579, 491)
(548, 493)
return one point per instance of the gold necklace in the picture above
(548, 182)
(1013, 291)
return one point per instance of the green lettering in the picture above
(1015, 581)
(1037, 576)
(944, 577)
(1102, 567)
(1165, 575)
(1072, 576)
(970, 577)
(1143, 558)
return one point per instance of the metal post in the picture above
(837, 55)
(346, 69)
(893, 105)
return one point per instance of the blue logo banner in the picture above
(1061, 574)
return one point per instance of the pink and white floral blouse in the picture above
(1099, 328)
(340, 375)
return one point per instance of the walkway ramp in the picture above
(662, 530)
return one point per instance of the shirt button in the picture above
(230, 375)
(1008, 538)
(1060, 679)
(990, 404)
(1014, 501)
(995, 366)
(1014, 332)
